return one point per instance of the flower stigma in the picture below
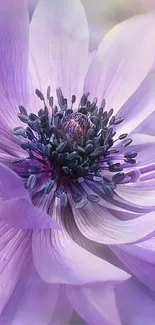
(68, 147)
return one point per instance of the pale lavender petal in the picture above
(63, 309)
(140, 193)
(114, 205)
(15, 248)
(59, 259)
(32, 301)
(62, 40)
(143, 270)
(123, 60)
(106, 304)
(95, 303)
(100, 225)
(144, 250)
(134, 304)
(14, 31)
(147, 125)
(139, 106)
(144, 146)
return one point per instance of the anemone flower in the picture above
(77, 168)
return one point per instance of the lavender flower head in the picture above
(77, 180)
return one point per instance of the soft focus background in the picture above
(102, 15)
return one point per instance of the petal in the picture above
(32, 301)
(123, 304)
(147, 125)
(143, 270)
(144, 146)
(59, 259)
(20, 213)
(14, 30)
(15, 248)
(62, 39)
(11, 184)
(138, 193)
(16, 208)
(100, 225)
(115, 204)
(134, 304)
(63, 309)
(141, 192)
(139, 106)
(123, 60)
(95, 303)
(144, 250)
(10, 144)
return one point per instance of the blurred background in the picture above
(102, 15)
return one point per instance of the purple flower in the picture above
(78, 129)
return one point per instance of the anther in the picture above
(73, 147)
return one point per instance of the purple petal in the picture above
(140, 193)
(143, 270)
(32, 301)
(144, 250)
(15, 248)
(134, 304)
(62, 39)
(147, 125)
(20, 213)
(63, 309)
(16, 208)
(59, 259)
(139, 106)
(94, 303)
(100, 225)
(14, 30)
(123, 60)
(144, 145)
(9, 144)
(106, 304)
(11, 184)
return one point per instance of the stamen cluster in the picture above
(69, 146)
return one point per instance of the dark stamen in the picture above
(70, 147)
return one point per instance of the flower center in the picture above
(66, 147)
